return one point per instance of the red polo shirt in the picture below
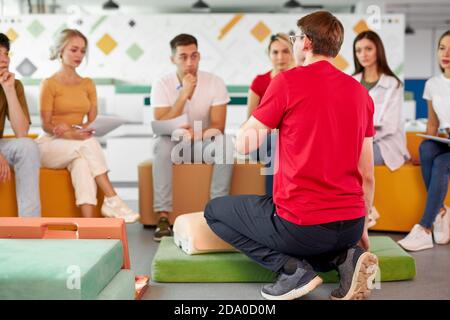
(323, 116)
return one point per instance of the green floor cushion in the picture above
(57, 269)
(121, 287)
(171, 264)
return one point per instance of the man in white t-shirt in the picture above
(204, 98)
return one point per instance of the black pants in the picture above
(250, 224)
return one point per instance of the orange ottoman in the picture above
(57, 196)
(400, 198)
(191, 184)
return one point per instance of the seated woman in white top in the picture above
(386, 90)
(435, 159)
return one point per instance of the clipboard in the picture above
(438, 139)
(104, 124)
(167, 127)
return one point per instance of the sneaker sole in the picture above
(296, 293)
(365, 272)
(108, 214)
(428, 246)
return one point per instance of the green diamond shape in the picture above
(36, 28)
(135, 52)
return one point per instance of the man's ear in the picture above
(172, 59)
(307, 44)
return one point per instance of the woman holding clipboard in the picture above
(65, 100)
(435, 159)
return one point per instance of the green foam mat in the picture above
(171, 264)
(121, 287)
(57, 269)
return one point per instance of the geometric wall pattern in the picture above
(135, 48)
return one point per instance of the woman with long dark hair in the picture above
(386, 90)
(435, 159)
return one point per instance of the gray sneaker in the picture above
(292, 286)
(357, 272)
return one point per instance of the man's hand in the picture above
(5, 170)
(189, 84)
(7, 79)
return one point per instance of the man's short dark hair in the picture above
(182, 40)
(4, 41)
(325, 32)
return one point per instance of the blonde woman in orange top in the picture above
(68, 103)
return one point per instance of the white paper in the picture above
(104, 124)
(166, 127)
(439, 139)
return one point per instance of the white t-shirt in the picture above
(437, 90)
(210, 91)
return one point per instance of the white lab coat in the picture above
(389, 124)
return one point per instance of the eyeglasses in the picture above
(293, 37)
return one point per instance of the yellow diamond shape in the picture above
(340, 63)
(106, 44)
(260, 31)
(361, 26)
(11, 34)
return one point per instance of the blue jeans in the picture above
(435, 162)
(377, 157)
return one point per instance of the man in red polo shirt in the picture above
(323, 185)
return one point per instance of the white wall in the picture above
(420, 54)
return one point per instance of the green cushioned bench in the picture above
(63, 269)
(171, 264)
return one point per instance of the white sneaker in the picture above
(114, 207)
(373, 217)
(417, 239)
(441, 227)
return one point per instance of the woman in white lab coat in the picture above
(386, 90)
